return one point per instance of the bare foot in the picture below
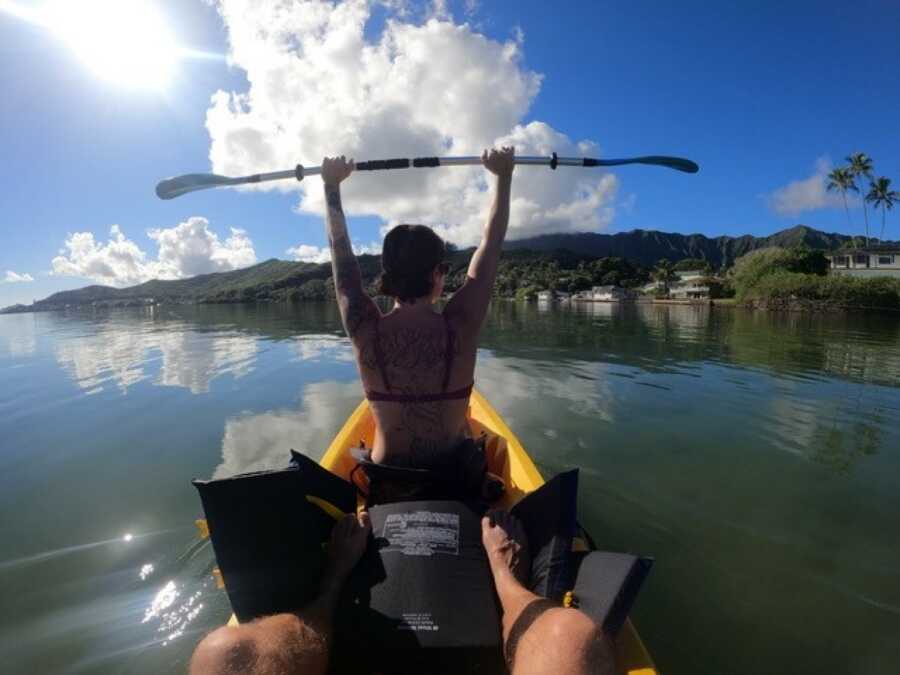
(506, 545)
(348, 543)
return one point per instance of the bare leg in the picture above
(288, 644)
(539, 638)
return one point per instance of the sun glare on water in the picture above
(124, 41)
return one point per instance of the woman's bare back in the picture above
(416, 353)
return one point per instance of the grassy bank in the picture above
(793, 290)
(778, 278)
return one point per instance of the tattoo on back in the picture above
(416, 361)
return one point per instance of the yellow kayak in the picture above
(506, 458)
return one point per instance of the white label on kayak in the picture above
(421, 621)
(422, 533)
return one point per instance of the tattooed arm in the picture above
(469, 304)
(358, 310)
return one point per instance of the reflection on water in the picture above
(755, 455)
(19, 335)
(262, 441)
(121, 356)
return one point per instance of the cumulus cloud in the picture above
(15, 278)
(318, 87)
(188, 249)
(807, 194)
(322, 254)
(308, 253)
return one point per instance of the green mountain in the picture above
(269, 280)
(647, 247)
(537, 260)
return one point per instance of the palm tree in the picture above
(841, 179)
(861, 168)
(881, 195)
(664, 274)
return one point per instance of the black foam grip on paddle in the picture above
(379, 164)
(298, 172)
(426, 161)
(590, 162)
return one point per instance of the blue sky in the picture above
(762, 95)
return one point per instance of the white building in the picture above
(687, 284)
(545, 296)
(692, 288)
(866, 262)
(608, 293)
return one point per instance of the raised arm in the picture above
(358, 310)
(469, 304)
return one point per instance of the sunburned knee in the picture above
(581, 641)
(566, 625)
(224, 651)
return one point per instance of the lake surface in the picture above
(756, 456)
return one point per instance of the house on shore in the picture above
(553, 296)
(608, 294)
(875, 261)
(690, 284)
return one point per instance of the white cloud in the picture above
(807, 194)
(191, 248)
(14, 278)
(185, 250)
(322, 254)
(318, 87)
(308, 253)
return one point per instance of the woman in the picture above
(416, 364)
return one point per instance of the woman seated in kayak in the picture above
(417, 364)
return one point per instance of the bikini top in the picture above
(444, 395)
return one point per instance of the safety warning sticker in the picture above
(421, 621)
(422, 533)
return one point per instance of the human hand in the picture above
(499, 162)
(349, 539)
(336, 169)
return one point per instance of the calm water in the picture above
(756, 456)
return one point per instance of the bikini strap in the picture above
(449, 355)
(379, 357)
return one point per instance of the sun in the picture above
(127, 42)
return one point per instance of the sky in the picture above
(101, 102)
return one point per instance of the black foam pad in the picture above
(607, 584)
(549, 517)
(268, 537)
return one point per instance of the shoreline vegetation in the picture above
(786, 271)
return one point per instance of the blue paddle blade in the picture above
(175, 187)
(677, 163)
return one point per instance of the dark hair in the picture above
(408, 258)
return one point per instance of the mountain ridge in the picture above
(275, 279)
(647, 247)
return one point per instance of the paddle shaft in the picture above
(175, 187)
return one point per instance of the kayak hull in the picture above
(506, 458)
